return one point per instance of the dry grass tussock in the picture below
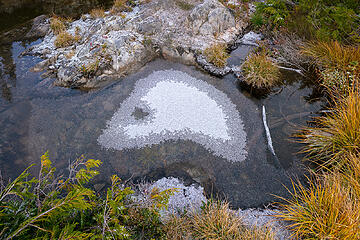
(215, 222)
(120, 6)
(333, 55)
(97, 13)
(65, 39)
(260, 71)
(217, 55)
(324, 210)
(337, 134)
(57, 24)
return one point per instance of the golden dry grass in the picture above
(65, 39)
(97, 13)
(120, 6)
(333, 55)
(337, 134)
(215, 222)
(260, 71)
(324, 210)
(217, 55)
(57, 25)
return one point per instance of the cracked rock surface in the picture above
(118, 45)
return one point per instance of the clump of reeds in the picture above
(57, 24)
(260, 71)
(325, 209)
(216, 221)
(217, 54)
(65, 39)
(333, 55)
(97, 13)
(337, 133)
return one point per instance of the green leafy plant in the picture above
(62, 207)
(321, 19)
(271, 12)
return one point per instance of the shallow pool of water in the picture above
(36, 117)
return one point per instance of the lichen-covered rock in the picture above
(117, 45)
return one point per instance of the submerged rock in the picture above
(118, 45)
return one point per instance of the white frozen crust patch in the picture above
(179, 107)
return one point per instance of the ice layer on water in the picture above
(177, 107)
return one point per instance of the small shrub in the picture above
(65, 39)
(270, 12)
(217, 55)
(61, 207)
(337, 134)
(260, 71)
(324, 210)
(57, 25)
(97, 13)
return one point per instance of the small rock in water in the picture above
(186, 198)
(250, 38)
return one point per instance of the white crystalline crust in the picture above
(179, 107)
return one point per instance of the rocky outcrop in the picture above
(117, 45)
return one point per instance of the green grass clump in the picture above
(260, 71)
(326, 209)
(217, 55)
(216, 222)
(97, 13)
(337, 134)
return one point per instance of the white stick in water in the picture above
(268, 136)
